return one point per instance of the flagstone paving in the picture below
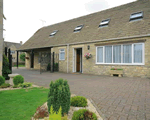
(116, 98)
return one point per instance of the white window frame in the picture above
(61, 52)
(132, 44)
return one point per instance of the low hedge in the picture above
(5, 85)
(18, 79)
(2, 80)
(78, 101)
(84, 114)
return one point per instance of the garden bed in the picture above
(89, 106)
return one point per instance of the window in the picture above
(12, 52)
(53, 33)
(78, 28)
(136, 16)
(62, 54)
(104, 23)
(127, 54)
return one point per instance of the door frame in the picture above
(74, 59)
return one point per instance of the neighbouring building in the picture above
(1, 35)
(13, 47)
(117, 38)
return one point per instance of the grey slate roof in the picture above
(8, 44)
(119, 26)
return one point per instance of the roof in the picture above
(119, 26)
(8, 44)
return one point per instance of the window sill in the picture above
(118, 64)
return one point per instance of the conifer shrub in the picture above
(5, 69)
(59, 95)
(78, 101)
(18, 79)
(2, 80)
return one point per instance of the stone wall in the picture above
(1, 34)
(90, 66)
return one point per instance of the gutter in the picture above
(67, 57)
(138, 36)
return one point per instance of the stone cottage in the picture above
(116, 38)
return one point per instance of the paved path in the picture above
(116, 98)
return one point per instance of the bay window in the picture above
(128, 54)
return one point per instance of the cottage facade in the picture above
(116, 38)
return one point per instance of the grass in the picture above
(21, 104)
(116, 69)
(19, 65)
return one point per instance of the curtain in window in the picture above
(137, 53)
(127, 54)
(108, 54)
(100, 54)
(117, 54)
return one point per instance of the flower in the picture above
(87, 55)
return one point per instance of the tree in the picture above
(22, 56)
(5, 69)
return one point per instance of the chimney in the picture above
(21, 42)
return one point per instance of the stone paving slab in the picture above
(116, 98)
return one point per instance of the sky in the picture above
(24, 17)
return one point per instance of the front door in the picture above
(78, 60)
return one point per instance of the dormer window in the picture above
(53, 33)
(104, 23)
(136, 16)
(78, 28)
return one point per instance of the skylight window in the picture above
(53, 33)
(104, 23)
(78, 28)
(136, 16)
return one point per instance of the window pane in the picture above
(137, 53)
(127, 54)
(62, 55)
(100, 54)
(117, 54)
(108, 54)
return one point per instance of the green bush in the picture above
(59, 95)
(25, 84)
(84, 114)
(2, 80)
(15, 86)
(18, 79)
(53, 115)
(78, 101)
(5, 69)
(5, 85)
(22, 56)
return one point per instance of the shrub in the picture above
(53, 115)
(41, 113)
(78, 101)
(84, 114)
(15, 86)
(25, 84)
(5, 85)
(48, 67)
(59, 95)
(22, 56)
(5, 69)
(18, 79)
(2, 80)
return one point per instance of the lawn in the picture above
(21, 104)
(19, 65)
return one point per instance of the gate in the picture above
(49, 62)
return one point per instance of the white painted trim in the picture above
(60, 52)
(73, 60)
(143, 54)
